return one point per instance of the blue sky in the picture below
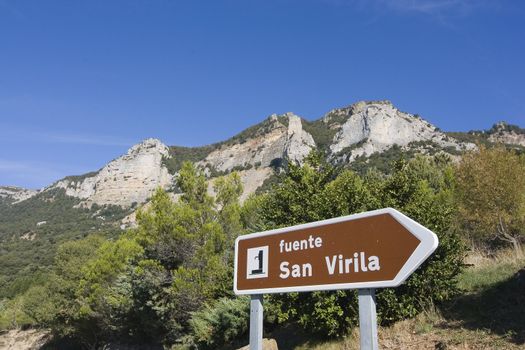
(81, 81)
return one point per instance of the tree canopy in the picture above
(491, 196)
(422, 189)
(169, 280)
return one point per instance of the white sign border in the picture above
(428, 244)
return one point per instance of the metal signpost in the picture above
(376, 249)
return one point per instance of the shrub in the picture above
(218, 324)
(491, 197)
(422, 189)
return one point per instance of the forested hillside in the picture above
(169, 280)
(140, 251)
(31, 231)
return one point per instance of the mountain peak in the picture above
(16, 194)
(149, 145)
(502, 132)
(359, 130)
(280, 117)
(355, 108)
(280, 136)
(361, 105)
(368, 127)
(131, 178)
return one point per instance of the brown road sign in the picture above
(375, 249)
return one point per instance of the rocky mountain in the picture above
(508, 134)
(125, 181)
(358, 132)
(366, 128)
(15, 194)
(257, 153)
(129, 179)
(360, 136)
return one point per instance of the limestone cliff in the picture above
(16, 194)
(277, 138)
(129, 179)
(369, 127)
(357, 131)
(504, 133)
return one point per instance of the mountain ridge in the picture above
(346, 134)
(104, 202)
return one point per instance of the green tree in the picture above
(228, 190)
(217, 324)
(300, 196)
(491, 196)
(41, 304)
(104, 292)
(422, 189)
(12, 314)
(54, 304)
(148, 283)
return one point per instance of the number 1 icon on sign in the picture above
(260, 258)
(257, 263)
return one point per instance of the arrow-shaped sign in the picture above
(376, 249)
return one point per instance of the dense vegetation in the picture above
(145, 285)
(491, 192)
(169, 281)
(31, 230)
(422, 189)
(322, 134)
(180, 155)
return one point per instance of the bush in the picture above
(145, 286)
(216, 325)
(491, 197)
(422, 189)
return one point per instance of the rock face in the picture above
(16, 194)
(277, 138)
(369, 127)
(131, 178)
(359, 130)
(17, 339)
(299, 143)
(503, 133)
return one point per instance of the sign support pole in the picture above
(256, 321)
(367, 319)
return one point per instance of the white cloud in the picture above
(101, 140)
(435, 8)
(33, 173)
(7, 165)
(28, 174)
(18, 134)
